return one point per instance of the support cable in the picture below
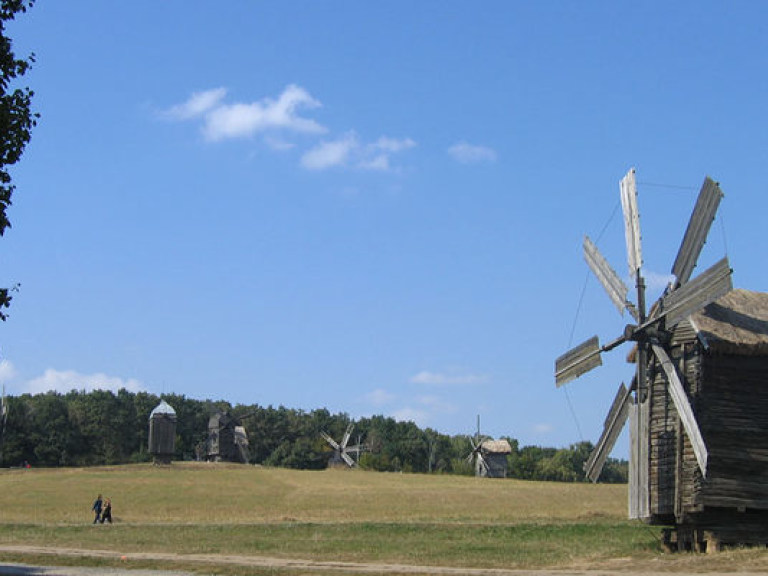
(576, 318)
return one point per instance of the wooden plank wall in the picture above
(674, 475)
(734, 417)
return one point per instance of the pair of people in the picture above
(102, 509)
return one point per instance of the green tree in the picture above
(16, 117)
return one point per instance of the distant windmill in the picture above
(489, 455)
(227, 438)
(341, 451)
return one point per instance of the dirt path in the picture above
(313, 566)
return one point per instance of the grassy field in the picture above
(353, 516)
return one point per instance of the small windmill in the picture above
(341, 450)
(657, 374)
(489, 455)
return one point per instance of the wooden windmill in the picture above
(669, 452)
(342, 452)
(227, 438)
(489, 455)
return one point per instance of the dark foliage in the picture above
(16, 117)
(89, 428)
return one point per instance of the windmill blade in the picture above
(347, 434)
(697, 230)
(481, 464)
(613, 285)
(348, 459)
(631, 222)
(578, 361)
(683, 407)
(330, 441)
(617, 417)
(702, 290)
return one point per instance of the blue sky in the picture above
(374, 208)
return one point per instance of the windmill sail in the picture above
(683, 407)
(617, 416)
(702, 290)
(631, 223)
(614, 286)
(697, 230)
(578, 361)
(347, 434)
(331, 441)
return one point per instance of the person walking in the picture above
(107, 513)
(97, 508)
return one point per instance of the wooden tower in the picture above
(162, 433)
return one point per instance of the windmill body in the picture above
(162, 433)
(691, 467)
(488, 456)
(491, 459)
(227, 439)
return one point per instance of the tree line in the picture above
(100, 427)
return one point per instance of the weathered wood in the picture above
(614, 423)
(697, 230)
(631, 222)
(683, 407)
(614, 286)
(578, 361)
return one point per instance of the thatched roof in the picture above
(736, 323)
(496, 447)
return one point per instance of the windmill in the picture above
(489, 455)
(657, 375)
(227, 439)
(341, 450)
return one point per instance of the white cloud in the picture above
(198, 104)
(274, 117)
(278, 144)
(543, 428)
(439, 379)
(380, 397)
(436, 404)
(67, 380)
(331, 153)
(380, 162)
(237, 120)
(348, 151)
(408, 414)
(7, 371)
(393, 144)
(466, 153)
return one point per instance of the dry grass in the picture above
(231, 494)
(352, 516)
